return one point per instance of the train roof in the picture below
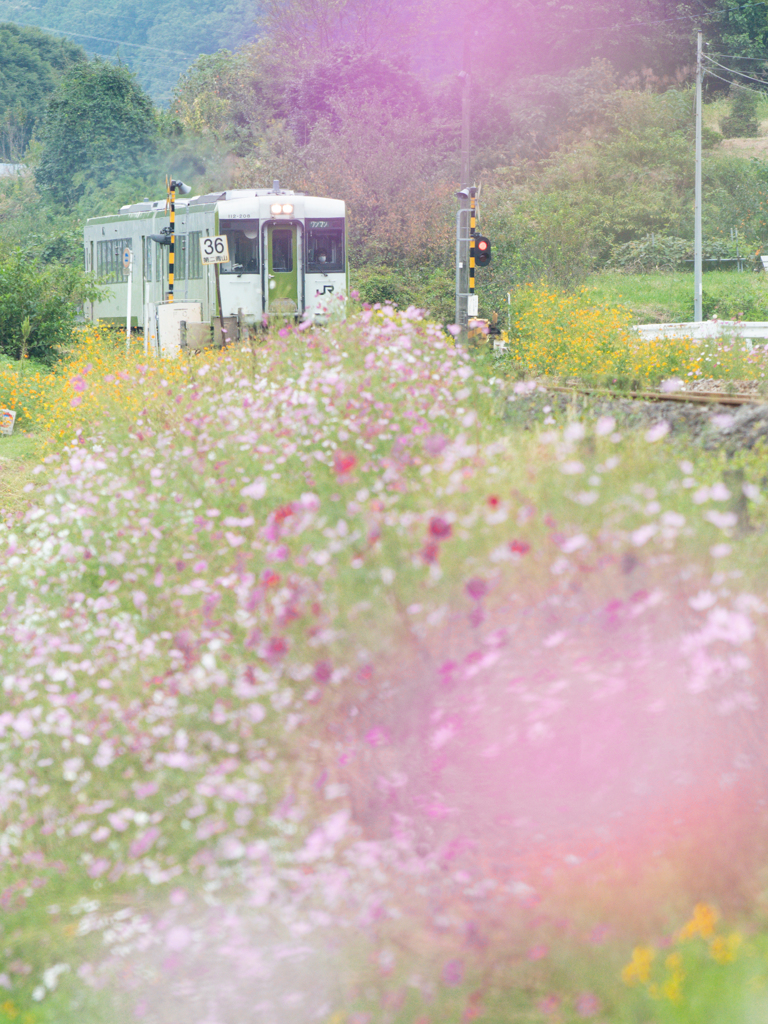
(147, 206)
(208, 198)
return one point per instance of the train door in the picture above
(282, 296)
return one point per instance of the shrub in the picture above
(433, 292)
(742, 121)
(654, 252)
(665, 252)
(45, 294)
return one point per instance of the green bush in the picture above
(742, 121)
(47, 295)
(402, 288)
(667, 253)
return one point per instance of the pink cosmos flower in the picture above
(98, 867)
(519, 547)
(549, 1004)
(656, 432)
(476, 588)
(323, 671)
(343, 463)
(453, 972)
(587, 1005)
(144, 842)
(376, 737)
(430, 552)
(277, 647)
(439, 528)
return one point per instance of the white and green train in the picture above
(287, 258)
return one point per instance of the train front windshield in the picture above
(325, 246)
(243, 240)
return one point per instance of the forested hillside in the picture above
(32, 64)
(155, 38)
(512, 39)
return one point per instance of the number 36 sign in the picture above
(214, 249)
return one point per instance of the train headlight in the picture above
(275, 208)
(287, 208)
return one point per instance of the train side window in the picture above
(180, 258)
(148, 243)
(243, 241)
(282, 252)
(325, 246)
(194, 263)
(109, 259)
(161, 261)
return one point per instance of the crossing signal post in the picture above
(173, 187)
(472, 251)
(471, 297)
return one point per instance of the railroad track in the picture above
(696, 397)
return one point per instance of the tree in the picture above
(742, 121)
(312, 28)
(32, 64)
(38, 305)
(99, 126)
(358, 75)
(233, 97)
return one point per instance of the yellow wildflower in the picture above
(674, 962)
(639, 967)
(702, 923)
(673, 987)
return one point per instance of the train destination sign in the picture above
(214, 249)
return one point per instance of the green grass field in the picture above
(665, 298)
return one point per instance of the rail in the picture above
(700, 397)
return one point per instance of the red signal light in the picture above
(482, 251)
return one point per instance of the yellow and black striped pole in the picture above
(172, 246)
(472, 226)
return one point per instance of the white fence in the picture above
(705, 330)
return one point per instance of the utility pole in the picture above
(697, 240)
(462, 217)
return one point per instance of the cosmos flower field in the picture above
(330, 696)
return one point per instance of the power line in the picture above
(736, 56)
(728, 81)
(102, 39)
(732, 71)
